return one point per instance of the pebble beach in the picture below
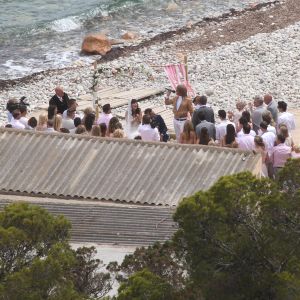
(226, 70)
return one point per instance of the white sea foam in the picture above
(66, 24)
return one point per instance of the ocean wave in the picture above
(65, 24)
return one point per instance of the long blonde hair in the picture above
(188, 128)
(96, 131)
(42, 120)
(57, 122)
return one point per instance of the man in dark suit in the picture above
(208, 112)
(60, 100)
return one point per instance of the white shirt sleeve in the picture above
(156, 136)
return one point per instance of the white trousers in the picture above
(178, 127)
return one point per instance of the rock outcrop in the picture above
(96, 44)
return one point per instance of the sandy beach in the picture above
(235, 56)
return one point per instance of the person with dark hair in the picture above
(268, 137)
(182, 108)
(134, 115)
(52, 111)
(196, 102)
(103, 129)
(77, 122)
(203, 107)
(204, 123)
(15, 121)
(106, 115)
(244, 121)
(89, 121)
(64, 130)
(158, 122)
(72, 105)
(24, 119)
(229, 139)
(112, 126)
(285, 117)
(147, 132)
(11, 105)
(267, 117)
(271, 106)
(246, 141)
(288, 138)
(246, 114)
(280, 153)
(257, 112)
(222, 126)
(32, 123)
(60, 100)
(204, 138)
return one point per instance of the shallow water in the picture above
(43, 34)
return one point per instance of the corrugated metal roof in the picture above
(126, 225)
(112, 169)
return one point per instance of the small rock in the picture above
(129, 35)
(172, 6)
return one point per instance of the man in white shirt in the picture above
(105, 116)
(285, 117)
(72, 105)
(246, 141)
(268, 137)
(15, 120)
(147, 132)
(221, 127)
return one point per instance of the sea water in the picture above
(36, 35)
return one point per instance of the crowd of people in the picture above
(262, 126)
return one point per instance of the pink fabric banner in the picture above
(177, 75)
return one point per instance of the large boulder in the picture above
(96, 44)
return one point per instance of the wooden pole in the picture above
(97, 110)
(95, 100)
(186, 67)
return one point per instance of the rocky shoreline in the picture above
(128, 49)
(238, 55)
